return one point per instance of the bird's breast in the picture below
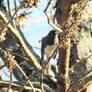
(49, 50)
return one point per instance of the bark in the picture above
(63, 9)
(63, 69)
(64, 53)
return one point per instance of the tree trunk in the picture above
(63, 9)
(63, 67)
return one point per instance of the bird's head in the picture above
(53, 32)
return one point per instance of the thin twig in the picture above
(15, 5)
(39, 71)
(35, 47)
(10, 19)
(51, 78)
(41, 78)
(21, 56)
(30, 77)
(23, 44)
(79, 61)
(53, 25)
(33, 89)
(9, 8)
(1, 50)
(49, 2)
(11, 81)
(49, 21)
(16, 86)
(11, 13)
(41, 82)
(81, 83)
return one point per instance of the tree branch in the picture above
(79, 61)
(29, 53)
(49, 21)
(15, 86)
(81, 83)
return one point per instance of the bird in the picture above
(49, 44)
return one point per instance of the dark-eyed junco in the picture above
(49, 44)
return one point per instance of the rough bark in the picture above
(64, 53)
(63, 69)
(63, 9)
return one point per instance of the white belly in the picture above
(49, 50)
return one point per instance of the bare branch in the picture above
(54, 26)
(16, 86)
(79, 61)
(46, 87)
(35, 47)
(49, 2)
(25, 77)
(9, 8)
(11, 13)
(15, 5)
(12, 62)
(51, 78)
(7, 22)
(32, 58)
(35, 74)
(11, 81)
(82, 83)
(41, 82)
(49, 21)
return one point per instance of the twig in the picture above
(16, 54)
(10, 19)
(54, 26)
(81, 83)
(16, 86)
(23, 44)
(79, 61)
(9, 8)
(41, 77)
(33, 75)
(30, 77)
(41, 82)
(46, 87)
(36, 20)
(10, 13)
(49, 2)
(11, 74)
(26, 77)
(35, 46)
(51, 78)
(11, 81)
(15, 5)
(49, 21)
(2, 66)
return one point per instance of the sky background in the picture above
(34, 32)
